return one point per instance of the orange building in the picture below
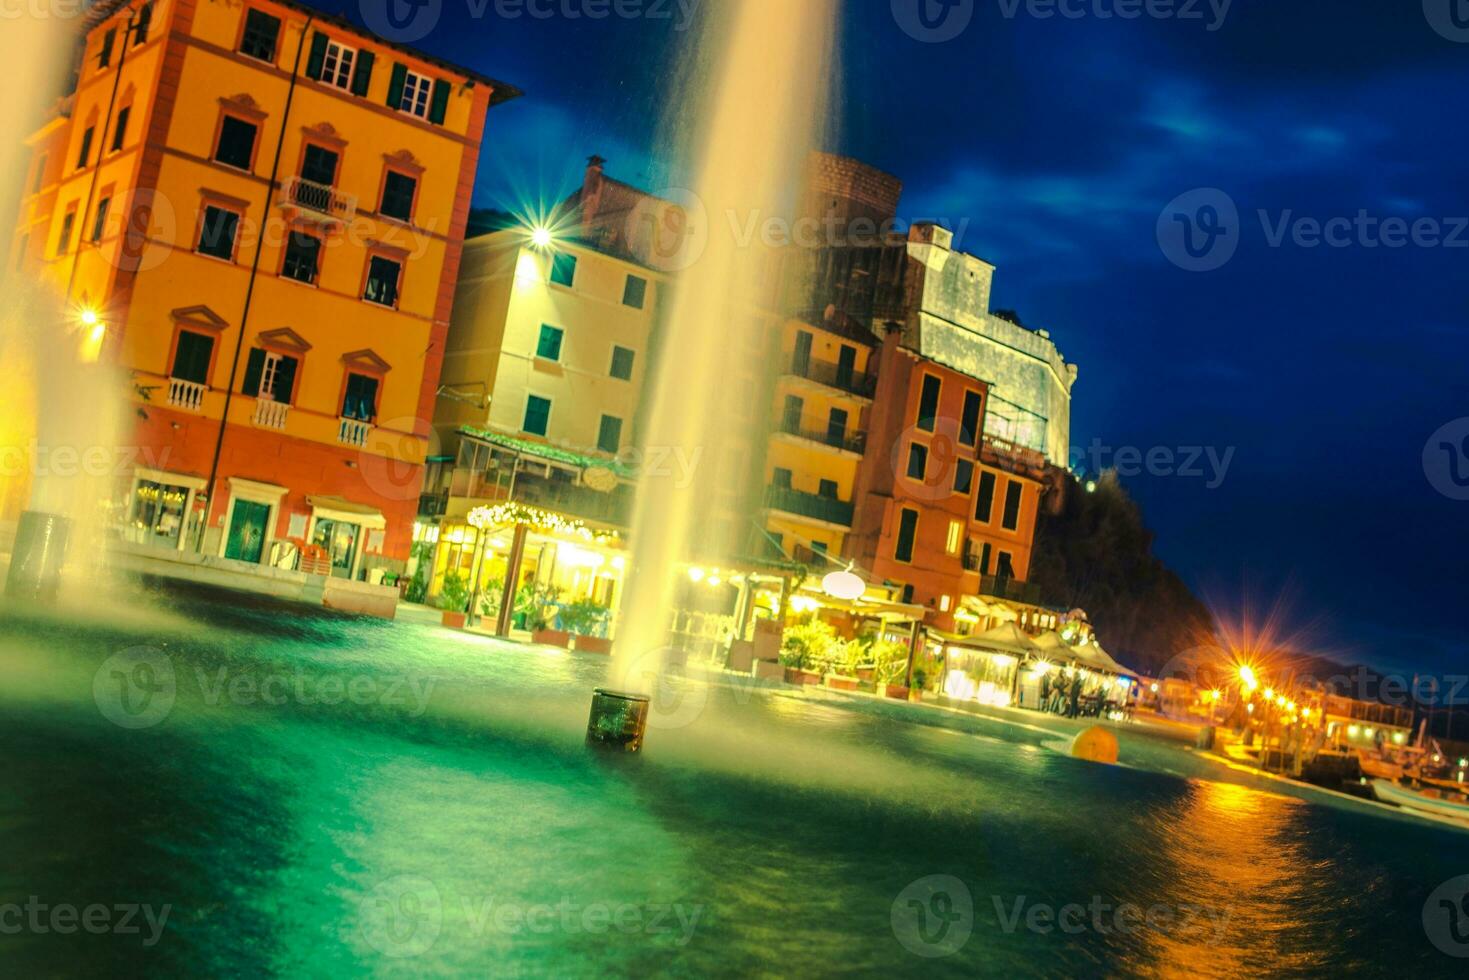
(941, 510)
(258, 211)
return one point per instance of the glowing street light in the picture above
(541, 237)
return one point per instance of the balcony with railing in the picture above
(270, 414)
(833, 375)
(317, 199)
(1007, 587)
(1013, 457)
(188, 395)
(850, 442)
(353, 432)
(811, 505)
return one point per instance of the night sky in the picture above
(1325, 370)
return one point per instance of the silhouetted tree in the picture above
(1097, 554)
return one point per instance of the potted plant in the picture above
(807, 651)
(586, 620)
(890, 665)
(842, 672)
(453, 600)
(920, 678)
(537, 603)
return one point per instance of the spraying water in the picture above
(61, 409)
(758, 115)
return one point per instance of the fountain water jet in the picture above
(752, 126)
(59, 458)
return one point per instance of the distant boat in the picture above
(1436, 802)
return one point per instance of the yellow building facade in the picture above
(258, 211)
(821, 398)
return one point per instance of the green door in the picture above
(247, 531)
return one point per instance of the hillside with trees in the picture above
(1097, 554)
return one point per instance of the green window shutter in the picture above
(253, 367)
(362, 74)
(285, 380)
(317, 57)
(395, 87)
(440, 104)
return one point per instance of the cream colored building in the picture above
(556, 338)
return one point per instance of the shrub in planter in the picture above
(920, 679)
(593, 644)
(840, 682)
(896, 691)
(454, 599)
(535, 607)
(810, 646)
(586, 619)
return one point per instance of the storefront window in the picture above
(339, 540)
(157, 513)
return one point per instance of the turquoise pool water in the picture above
(323, 796)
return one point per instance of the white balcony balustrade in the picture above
(353, 432)
(271, 414)
(187, 395)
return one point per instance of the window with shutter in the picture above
(416, 93)
(141, 25)
(439, 104)
(398, 193)
(104, 57)
(191, 357)
(120, 132)
(362, 74)
(261, 33)
(360, 402)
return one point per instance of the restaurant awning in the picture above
(1005, 638)
(341, 509)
